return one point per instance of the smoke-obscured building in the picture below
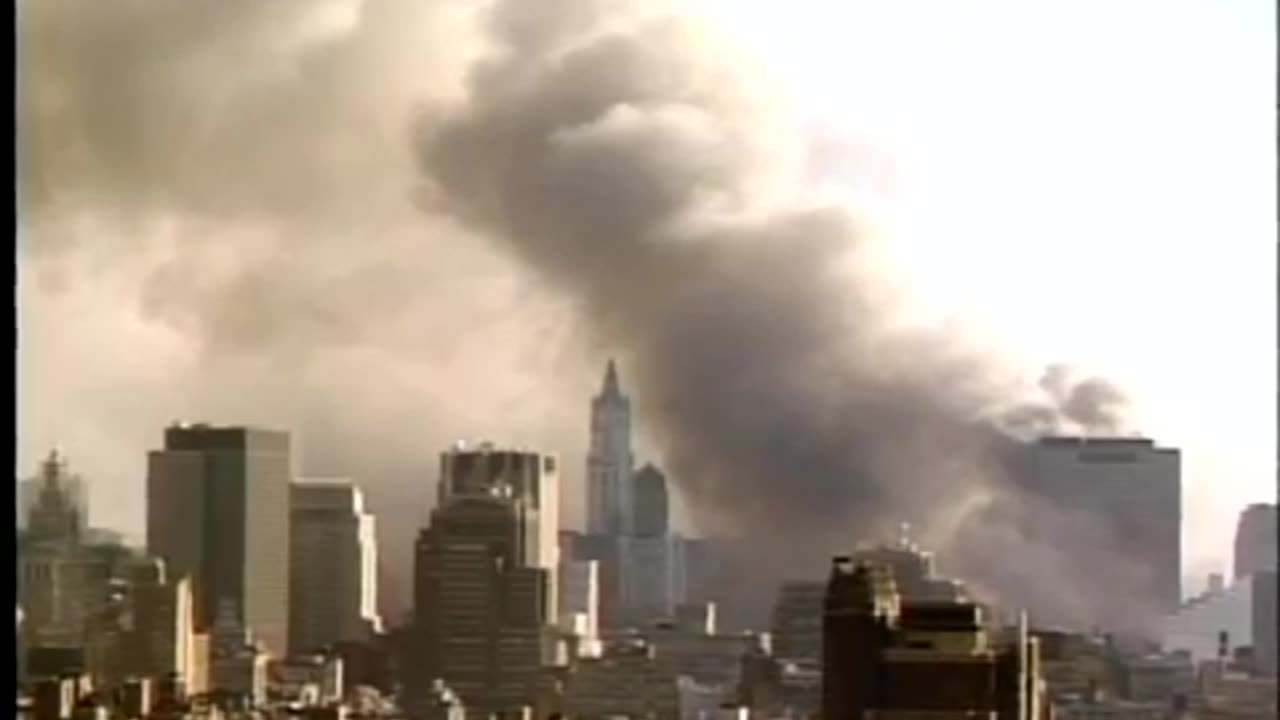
(797, 613)
(652, 577)
(71, 491)
(1255, 543)
(334, 562)
(218, 511)
(885, 657)
(1122, 498)
(610, 496)
(797, 620)
(64, 580)
(485, 597)
(652, 505)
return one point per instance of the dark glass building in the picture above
(218, 512)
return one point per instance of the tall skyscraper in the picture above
(218, 512)
(1255, 547)
(652, 508)
(485, 577)
(1123, 496)
(334, 561)
(610, 496)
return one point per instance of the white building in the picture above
(610, 463)
(334, 562)
(580, 597)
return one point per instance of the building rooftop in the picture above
(1079, 440)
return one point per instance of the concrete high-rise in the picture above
(610, 495)
(218, 512)
(334, 561)
(1255, 546)
(1124, 496)
(485, 577)
(652, 509)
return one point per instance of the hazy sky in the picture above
(1084, 180)
(1074, 181)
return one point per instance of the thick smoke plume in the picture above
(249, 165)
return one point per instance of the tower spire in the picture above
(612, 388)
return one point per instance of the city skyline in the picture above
(490, 621)
(1191, 582)
(1053, 482)
(646, 359)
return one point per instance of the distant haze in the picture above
(391, 224)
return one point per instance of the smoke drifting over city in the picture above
(603, 169)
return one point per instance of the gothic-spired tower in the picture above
(610, 499)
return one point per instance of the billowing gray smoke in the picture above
(627, 163)
(622, 161)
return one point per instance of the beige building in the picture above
(334, 562)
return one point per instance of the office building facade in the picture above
(530, 479)
(1255, 542)
(334, 558)
(485, 600)
(218, 512)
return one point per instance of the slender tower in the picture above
(610, 499)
